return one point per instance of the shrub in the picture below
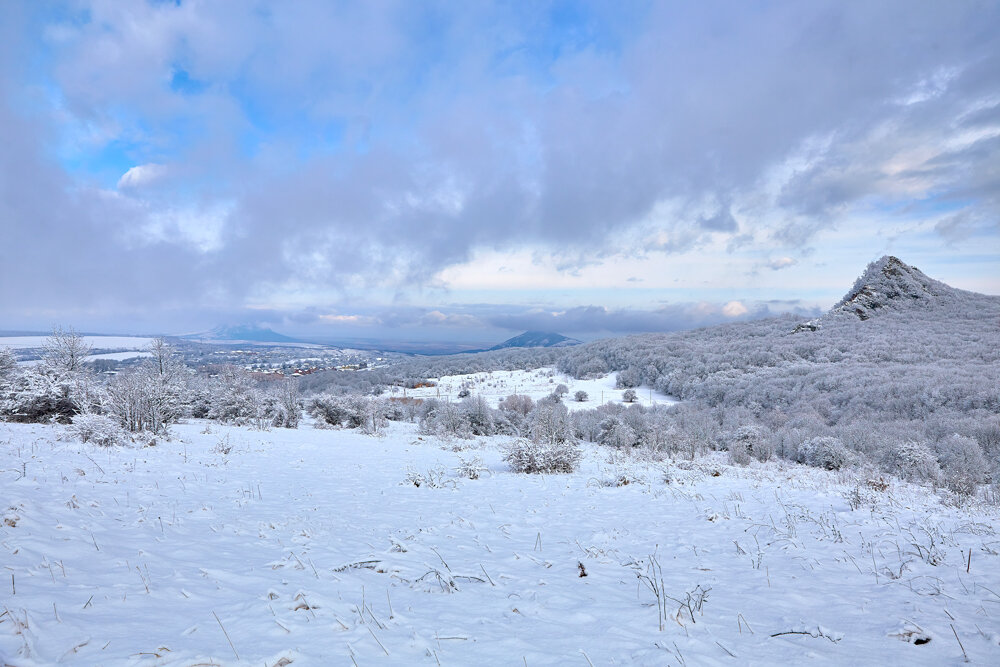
(471, 468)
(746, 443)
(526, 456)
(824, 452)
(912, 460)
(99, 429)
(963, 464)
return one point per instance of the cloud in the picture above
(340, 147)
(143, 174)
(778, 263)
(734, 309)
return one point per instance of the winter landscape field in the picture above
(226, 545)
(561, 332)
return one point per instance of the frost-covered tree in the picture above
(65, 351)
(7, 363)
(615, 432)
(288, 410)
(629, 396)
(238, 399)
(549, 423)
(149, 396)
(580, 396)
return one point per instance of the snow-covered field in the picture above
(95, 342)
(314, 547)
(495, 385)
(112, 356)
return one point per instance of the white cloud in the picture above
(734, 309)
(140, 175)
(779, 263)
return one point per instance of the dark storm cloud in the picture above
(340, 149)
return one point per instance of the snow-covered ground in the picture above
(314, 547)
(496, 385)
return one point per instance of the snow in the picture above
(497, 385)
(113, 356)
(308, 546)
(95, 342)
(118, 356)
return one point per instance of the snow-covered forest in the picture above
(506, 504)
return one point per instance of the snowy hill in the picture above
(536, 339)
(242, 333)
(891, 284)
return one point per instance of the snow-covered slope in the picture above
(226, 546)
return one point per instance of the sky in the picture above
(469, 170)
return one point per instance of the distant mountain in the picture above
(536, 339)
(243, 332)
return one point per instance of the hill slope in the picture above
(242, 333)
(918, 351)
(536, 339)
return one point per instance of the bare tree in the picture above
(65, 351)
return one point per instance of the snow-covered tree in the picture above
(65, 351)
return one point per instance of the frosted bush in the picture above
(824, 452)
(746, 443)
(912, 460)
(471, 468)
(542, 457)
(98, 429)
(962, 463)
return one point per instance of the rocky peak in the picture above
(889, 283)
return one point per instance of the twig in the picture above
(367, 564)
(226, 634)
(487, 574)
(807, 633)
(726, 649)
(587, 657)
(442, 559)
(959, 642)
(376, 638)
